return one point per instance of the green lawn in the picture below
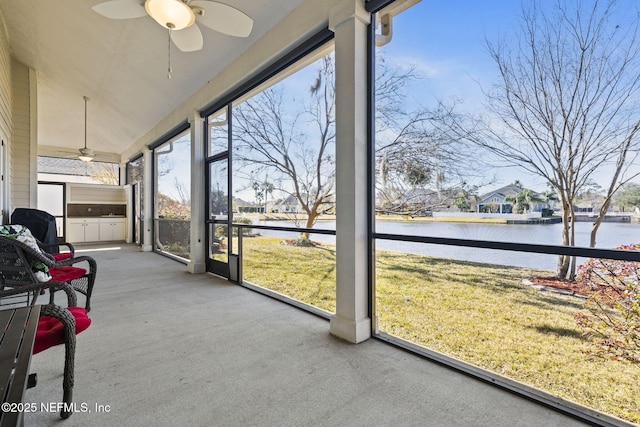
(306, 274)
(478, 313)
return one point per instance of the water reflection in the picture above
(610, 235)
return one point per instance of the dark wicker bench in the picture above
(19, 285)
(18, 331)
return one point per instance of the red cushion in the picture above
(61, 256)
(66, 273)
(50, 330)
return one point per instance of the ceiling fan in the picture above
(180, 16)
(85, 154)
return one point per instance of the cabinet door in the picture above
(92, 232)
(112, 230)
(75, 232)
(119, 230)
(105, 231)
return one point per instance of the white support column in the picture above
(147, 188)
(197, 264)
(122, 167)
(351, 322)
(33, 138)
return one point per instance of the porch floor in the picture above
(168, 348)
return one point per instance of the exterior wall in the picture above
(5, 117)
(23, 152)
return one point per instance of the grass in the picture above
(306, 274)
(478, 313)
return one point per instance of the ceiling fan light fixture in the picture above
(86, 154)
(172, 14)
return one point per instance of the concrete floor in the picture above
(168, 348)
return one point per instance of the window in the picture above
(218, 132)
(283, 176)
(135, 170)
(459, 161)
(135, 178)
(74, 170)
(172, 174)
(51, 199)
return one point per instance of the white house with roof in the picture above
(496, 201)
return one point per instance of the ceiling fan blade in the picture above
(188, 39)
(223, 18)
(120, 9)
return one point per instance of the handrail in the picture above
(580, 251)
(267, 227)
(291, 229)
(616, 254)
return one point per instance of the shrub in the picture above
(612, 313)
(242, 220)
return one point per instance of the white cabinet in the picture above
(81, 230)
(112, 229)
(75, 231)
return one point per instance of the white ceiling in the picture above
(120, 65)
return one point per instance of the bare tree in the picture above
(294, 144)
(105, 173)
(419, 167)
(566, 104)
(184, 193)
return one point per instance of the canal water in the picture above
(610, 235)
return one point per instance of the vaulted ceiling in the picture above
(120, 65)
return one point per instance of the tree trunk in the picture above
(564, 261)
(305, 238)
(572, 234)
(594, 230)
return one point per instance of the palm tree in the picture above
(522, 201)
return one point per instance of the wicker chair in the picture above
(58, 256)
(83, 284)
(62, 267)
(19, 286)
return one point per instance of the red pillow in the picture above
(50, 330)
(66, 273)
(62, 255)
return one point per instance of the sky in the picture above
(176, 166)
(446, 41)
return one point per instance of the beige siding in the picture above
(5, 118)
(21, 153)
